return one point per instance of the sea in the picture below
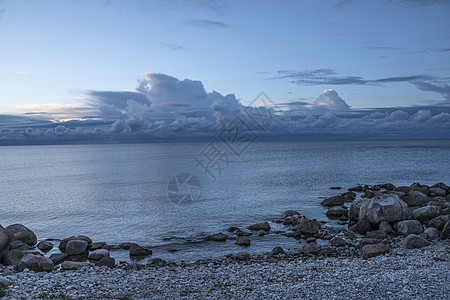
(170, 196)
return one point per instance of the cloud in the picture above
(432, 87)
(330, 99)
(414, 3)
(422, 115)
(208, 24)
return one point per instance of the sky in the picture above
(78, 71)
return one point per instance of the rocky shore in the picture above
(392, 244)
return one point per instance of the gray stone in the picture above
(373, 250)
(291, 213)
(242, 241)
(356, 189)
(386, 207)
(307, 226)
(333, 201)
(361, 226)
(355, 207)
(260, 226)
(4, 283)
(337, 242)
(35, 263)
(45, 246)
(57, 258)
(126, 246)
(97, 245)
(386, 227)
(243, 233)
(19, 232)
(293, 234)
(426, 213)
(438, 192)
(277, 251)
(13, 257)
(414, 241)
(377, 234)
(403, 189)
(441, 185)
(310, 248)
(5, 242)
(218, 237)
(242, 256)
(75, 265)
(408, 227)
(64, 242)
(431, 233)
(106, 261)
(337, 212)
(136, 250)
(416, 198)
(98, 254)
(445, 234)
(75, 247)
(19, 245)
(438, 222)
(262, 232)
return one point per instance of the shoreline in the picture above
(403, 231)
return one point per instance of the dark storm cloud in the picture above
(208, 24)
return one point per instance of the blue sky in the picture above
(150, 68)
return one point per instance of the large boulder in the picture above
(45, 246)
(13, 257)
(260, 226)
(441, 185)
(136, 250)
(355, 207)
(416, 198)
(386, 207)
(310, 248)
(243, 241)
(307, 226)
(335, 212)
(408, 227)
(431, 234)
(63, 243)
(414, 241)
(57, 258)
(445, 234)
(438, 222)
(76, 247)
(373, 250)
(242, 256)
(19, 232)
(98, 254)
(333, 201)
(106, 261)
(5, 241)
(35, 263)
(426, 213)
(218, 237)
(438, 192)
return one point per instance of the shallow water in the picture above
(119, 193)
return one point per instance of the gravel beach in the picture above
(401, 274)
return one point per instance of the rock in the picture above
(431, 233)
(260, 226)
(243, 233)
(310, 248)
(19, 232)
(426, 213)
(441, 185)
(13, 257)
(218, 237)
(348, 196)
(369, 241)
(242, 241)
(97, 245)
(385, 226)
(356, 189)
(35, 263)
(386, 207)
(337, 212)
(311, 240)
(307, 226)
(445, 234)
(75, 265)
(242, 256)
(333, 201)
(337, 242)
(126, 246)
(354, 209)
(294, 234)
(377, 234)
(438, 222)
(98, 254)
(57, 258)
(4, 283)
(416, 198)
(335, 188)
(403, 189)
(369, 194)
(262, 232)
(387, 186)
(63, 243)
(136, 250)
(19, 245)
(374, 250)
(75, 247)
(45, 246)
(414, 241)
(438, 192)
(106, 261)
(291, 213)
(408, 227)
(361, 226)
(277, 251)
(233, 229)
(5, 242)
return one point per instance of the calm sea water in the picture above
(119, 193)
